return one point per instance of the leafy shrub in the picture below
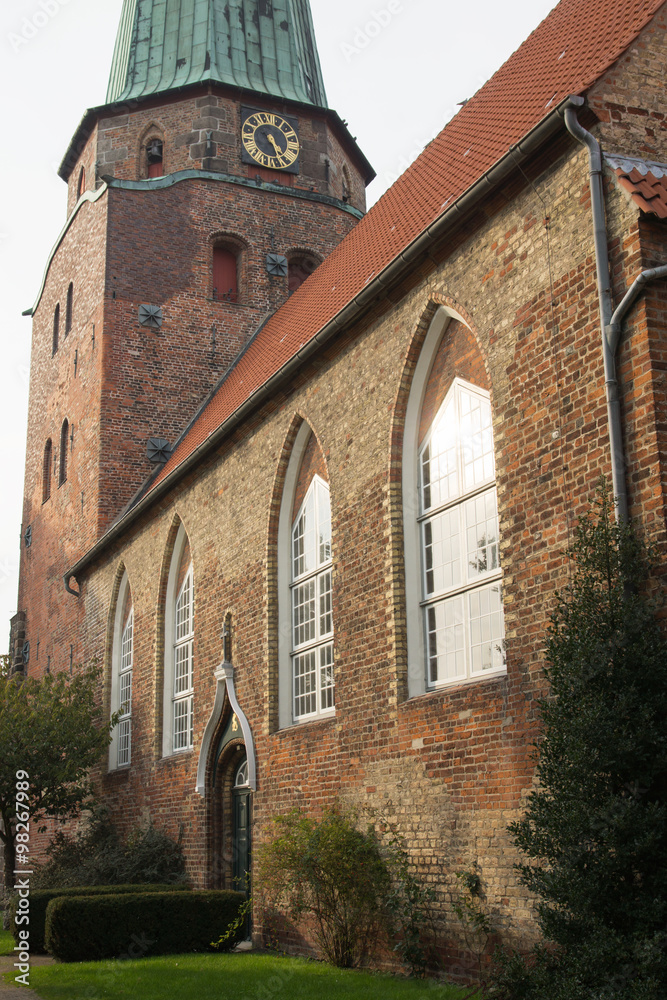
(89, 928)
(332, 871)
(40, 899)
(595, 829)
(98, 856)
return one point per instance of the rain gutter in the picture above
(578, 132)
(499, 172)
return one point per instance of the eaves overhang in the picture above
(377, 288)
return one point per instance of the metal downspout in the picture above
(604, 295)
(628, 300)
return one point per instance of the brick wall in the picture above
(202, 130)
(451, 767)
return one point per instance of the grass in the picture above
(6, 942)
(228, 977)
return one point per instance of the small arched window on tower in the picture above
(225, 274)
(64, 435)
(56, 329)
(46, 471)
(300, 267)
(81, 186)
(69, 309)
(154, 158)
(347, 187)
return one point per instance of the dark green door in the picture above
(241, 865)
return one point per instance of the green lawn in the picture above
(6, 942)
(227, 977)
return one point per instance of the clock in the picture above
(270, 140)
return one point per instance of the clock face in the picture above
(271, 141)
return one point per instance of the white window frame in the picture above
(414, 518)
(178, 698)
(318, 645)
(285, 646)
(122, 664)
(462, 593)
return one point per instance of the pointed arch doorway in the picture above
(231, 809)
(241, 841)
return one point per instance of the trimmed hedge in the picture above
(40, 899)
(89, 928)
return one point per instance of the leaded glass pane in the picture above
(481, 514)
(476, 439)
(126, 645)
(446, 641)
(124, 737)
(326, 616)
(184, 610)
(487, 644)
(439, 462)
(304, 540)
(182, 668)
(182, 723)
(442, 551)
(326, 676)
(125, 701)
(312, 615)
(305, 684)
(303, 598)
(324, 523)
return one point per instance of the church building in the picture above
(300, 477)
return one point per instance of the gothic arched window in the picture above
(70, 308)
(178, 710)
(225, 274)
(64, 442)
(453, 576)
(306, 680)
(81, 185)
(460, 546)
(46, 471)
(312, 614)
(300, 267)
(120, 753)
(154, 158)
(56, 329)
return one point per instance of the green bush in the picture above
(332, 871)
(89, 928)
(40, 899)
(97, 855)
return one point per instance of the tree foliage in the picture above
(51, 729)
(98, 855)
(595, 829)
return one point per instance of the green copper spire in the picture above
(262, 45)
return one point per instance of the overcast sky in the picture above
(395, 69)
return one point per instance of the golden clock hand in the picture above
(273, 143)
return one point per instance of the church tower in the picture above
(209, 186)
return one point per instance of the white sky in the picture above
(395, 69)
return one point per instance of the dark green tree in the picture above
(595, 829)
(51, 735)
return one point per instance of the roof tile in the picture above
(565, 55)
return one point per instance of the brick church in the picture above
(300, 477)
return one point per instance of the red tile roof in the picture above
(565, 55)
(645, 182)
